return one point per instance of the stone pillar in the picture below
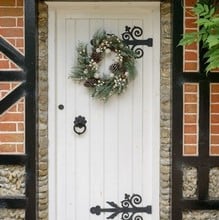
(165, 114)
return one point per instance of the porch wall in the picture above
(193, 128)
(11, 121)
(12, 178)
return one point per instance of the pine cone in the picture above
(96, 57)
(114, 67)
(90, 82)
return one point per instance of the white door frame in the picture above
(53, 6)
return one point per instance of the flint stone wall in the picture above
(43, 111)
(165, 114)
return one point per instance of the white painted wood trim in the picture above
(68, 5)
(156, 119)
(51, 113)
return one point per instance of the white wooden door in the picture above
(118, 153)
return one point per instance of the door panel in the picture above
(114, 156)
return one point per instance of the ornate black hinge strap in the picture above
(130, 38)
(129, 208)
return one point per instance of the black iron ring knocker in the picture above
(80, 125)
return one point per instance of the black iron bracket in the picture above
(130, 38)
(129, 208)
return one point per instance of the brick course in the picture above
(190, 119)
(214, 119)
(190, 53)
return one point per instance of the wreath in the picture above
(106, 67)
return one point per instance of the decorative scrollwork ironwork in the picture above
(130, 38)
(129, 208)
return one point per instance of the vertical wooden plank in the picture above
(31, 106)
(52, 116)
(61, 119)
(69, 109)
(111, 131)
(156, 112)
(137, 113)
(82, 107)
(148, 115)
(97, 136)
(125, 138)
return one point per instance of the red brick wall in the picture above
(190, 120)
(11, 28)
(11, 121)
(190, 52)
(214, 119)
(190, 95)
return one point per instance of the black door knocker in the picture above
(80, 125)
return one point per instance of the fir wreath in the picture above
(120, 71)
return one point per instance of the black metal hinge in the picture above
(129, 208)
(130, 38)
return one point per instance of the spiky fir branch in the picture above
(121, 71)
